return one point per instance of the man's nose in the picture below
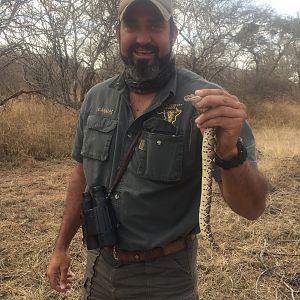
(143, 37)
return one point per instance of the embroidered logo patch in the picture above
(171, 112)
(142, 145)
(106, 111)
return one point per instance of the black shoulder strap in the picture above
(125, 163)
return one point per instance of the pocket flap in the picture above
(101, 124)
(159, 126)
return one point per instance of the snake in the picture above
(208, 155)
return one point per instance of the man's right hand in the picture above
(58, 272)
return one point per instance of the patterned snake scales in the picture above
(208, 154)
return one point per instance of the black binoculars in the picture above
(98, 219)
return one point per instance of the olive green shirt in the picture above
(157, 199)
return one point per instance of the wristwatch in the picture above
(234, 162)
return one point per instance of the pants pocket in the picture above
(92, 257)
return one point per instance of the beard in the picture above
(142, 70)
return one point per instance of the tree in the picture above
(270, 60)
(208, 30)
(59, 49)
(66, 46)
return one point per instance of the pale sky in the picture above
(287, 7)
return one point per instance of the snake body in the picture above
(208, 154)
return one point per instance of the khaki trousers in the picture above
(171, 277)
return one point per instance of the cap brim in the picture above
(164, 12)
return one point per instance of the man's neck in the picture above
(140, 102)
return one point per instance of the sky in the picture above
(287, 7)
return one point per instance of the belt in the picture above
(126, 256)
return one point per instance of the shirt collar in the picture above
(118, 83)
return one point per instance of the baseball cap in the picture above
(164, 6)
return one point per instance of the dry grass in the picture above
(35, 129)
(261, 259)
(280, 113)
(258, 260)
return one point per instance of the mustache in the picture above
(147, 47)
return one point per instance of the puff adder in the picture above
(208, 154)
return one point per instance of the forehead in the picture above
(142, 9)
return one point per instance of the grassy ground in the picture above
(257, 260)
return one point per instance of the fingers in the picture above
(206, 92)
(59, 275)
(221, 122)
(53, 277)
(64, 283)
(220, 116)
(59, 282)
(217, 97)
(218, 107)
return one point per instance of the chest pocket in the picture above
(159, 153)
(97, 138)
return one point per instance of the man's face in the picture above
(145, 40)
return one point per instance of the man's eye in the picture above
(130, 26)
(157, 27)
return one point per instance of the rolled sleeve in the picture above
(249, 143)
(78, 139)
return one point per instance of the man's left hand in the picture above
(224, 112)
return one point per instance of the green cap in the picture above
(164, 6)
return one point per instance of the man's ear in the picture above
(117, 30)
(174, 34)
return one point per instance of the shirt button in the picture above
(158, 142)
(129, 135)
(117, 196)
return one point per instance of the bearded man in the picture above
(137, 122)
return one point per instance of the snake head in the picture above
(194, 100)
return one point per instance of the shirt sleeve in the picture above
(249, 143)
(78, 139)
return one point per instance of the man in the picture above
(157, 198)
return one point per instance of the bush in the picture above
(37, 129)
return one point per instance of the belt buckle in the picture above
(115, 254)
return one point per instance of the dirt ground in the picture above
(257, 260)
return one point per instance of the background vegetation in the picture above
(52, 52)
(59, 49)
(258, 260)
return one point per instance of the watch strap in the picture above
(235, 161)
